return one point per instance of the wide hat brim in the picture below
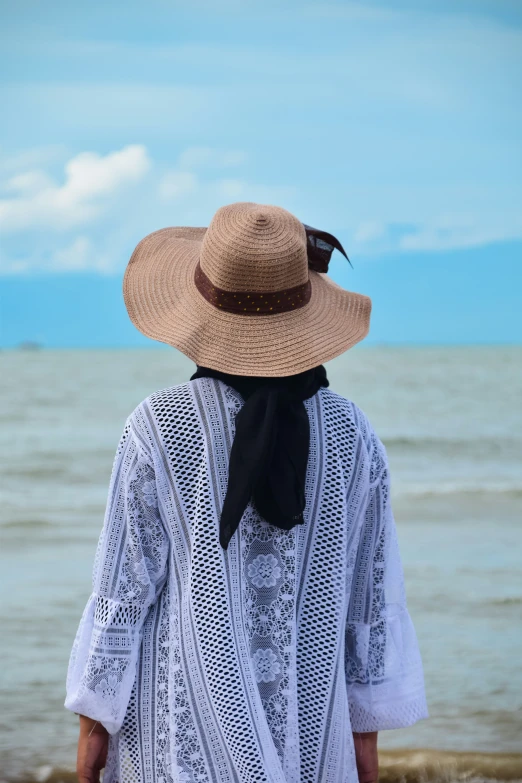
(164, 303)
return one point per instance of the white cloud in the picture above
(80, 255)
(437, 237)
(233, 189)
(369, 231)
(90, 180)
(191, 174)
(74, 256)
(193, 182)
(28, 183)
(15, 266)
(177, 184)
(27, 160)
(98, 221)
(436, 232)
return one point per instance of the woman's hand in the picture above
(365, 745)
(92, 750)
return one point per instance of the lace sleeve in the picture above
(382, 659)
(129, 571)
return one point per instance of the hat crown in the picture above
(254, 247)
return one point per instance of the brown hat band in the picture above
(252, 302)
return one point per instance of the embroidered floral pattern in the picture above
(107, 688)
(264, 571)
(263, 620)
(269, 615)
(266, 665)
(149, 494)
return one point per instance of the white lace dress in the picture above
(252, 665)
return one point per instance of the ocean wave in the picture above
(513, 600)
(473, 487)
(477, 438)
(395, 766)
(26, 524)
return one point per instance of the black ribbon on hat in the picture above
(320, 246)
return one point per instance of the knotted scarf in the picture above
(269, 454)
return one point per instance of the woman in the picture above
(248, 621)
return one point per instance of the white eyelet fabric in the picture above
(252, 665)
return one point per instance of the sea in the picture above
(451, 420)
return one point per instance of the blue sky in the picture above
(395, 126)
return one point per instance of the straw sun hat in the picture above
(241, 296)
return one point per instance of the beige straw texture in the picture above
(247, 247)
(252, 248)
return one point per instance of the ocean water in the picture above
(451, 419)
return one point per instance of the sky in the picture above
(396, 126)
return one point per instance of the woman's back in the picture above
(255, 663)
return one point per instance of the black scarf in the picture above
(269, 454)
